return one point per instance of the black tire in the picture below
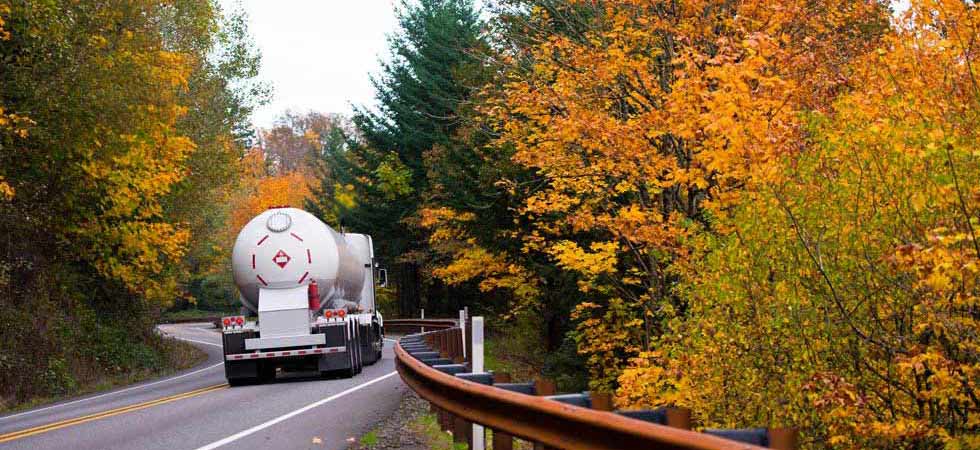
(236, 382)
(267, 372)
(379, 334)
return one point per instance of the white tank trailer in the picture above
(307, 295)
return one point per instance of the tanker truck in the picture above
(307, 295)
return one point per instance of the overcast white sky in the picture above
(317, 54)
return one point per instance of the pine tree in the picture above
(418, 99)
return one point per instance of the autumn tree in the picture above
(643, 124)
(295, 138)
(110, 110)
(224, 93)
(844, 299)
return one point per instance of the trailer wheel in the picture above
(379, 334)
(267, 372)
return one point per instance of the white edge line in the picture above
(290, 415)
(121, 390)
(199, 342)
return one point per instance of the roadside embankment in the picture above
(76, 373)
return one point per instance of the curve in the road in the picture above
(194, 410)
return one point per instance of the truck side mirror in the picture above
(382, 278)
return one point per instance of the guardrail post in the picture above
(501, 439)
(679, 418)
(457, 337)
(601, 401)
(443, 348)
(462, 431)
(478, 439)
(543, 387)
(451, 344)
(462, 334)
(445, 420)
(783, 438)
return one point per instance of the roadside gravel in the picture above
(402, 430)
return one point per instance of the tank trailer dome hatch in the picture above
(278, 222)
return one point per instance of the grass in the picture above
(427, 426)
(369, 439)
(179, 356)
(500, 357)
(191, 314)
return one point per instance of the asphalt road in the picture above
(196, 409)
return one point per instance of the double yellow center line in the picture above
(101, 415)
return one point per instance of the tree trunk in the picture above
(407, 286)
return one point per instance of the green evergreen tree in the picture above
(418, 99)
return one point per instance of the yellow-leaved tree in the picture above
(98, 142)
(844, 299)
(644, 124)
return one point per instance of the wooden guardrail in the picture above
(432, 364)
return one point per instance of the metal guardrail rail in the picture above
(546, 422)
(410, 325)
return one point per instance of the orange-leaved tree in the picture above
(643, 127)
(261, 189)
(845, 299)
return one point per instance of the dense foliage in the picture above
(764, 211)
(122, 126)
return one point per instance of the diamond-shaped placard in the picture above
(281, 259)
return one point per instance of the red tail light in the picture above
(327, 313)
(240, 321)
(226, 321)
(341, 313)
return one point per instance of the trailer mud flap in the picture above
(234, 342)
(237, 370)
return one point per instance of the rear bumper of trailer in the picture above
(285, 353)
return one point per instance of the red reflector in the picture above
(301, 352)
(285, 353)
(254, 355)
(238, 356)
